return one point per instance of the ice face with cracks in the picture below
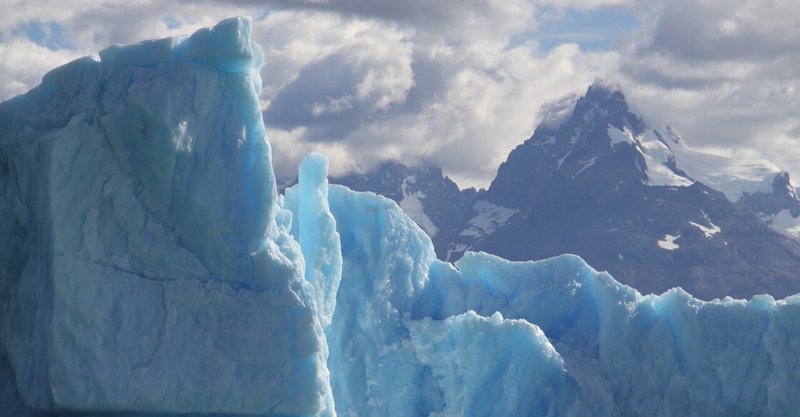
(147, 265)
(142, 268)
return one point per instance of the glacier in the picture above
(148, 266)
(143, 267)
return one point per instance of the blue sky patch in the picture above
(172, 22)
(47, 34)
(592, 30)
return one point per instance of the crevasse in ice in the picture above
(147, 265)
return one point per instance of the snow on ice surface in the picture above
(113, 301)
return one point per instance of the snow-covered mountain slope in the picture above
(632, 198)
(670, 162)
(667, 159)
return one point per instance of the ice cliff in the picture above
(148, 266)
(142, 267)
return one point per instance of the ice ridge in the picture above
(416, 336)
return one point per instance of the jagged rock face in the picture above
(629, 210)
(782, 196)
(565, 151)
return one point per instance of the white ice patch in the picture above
(785, 224)
(412, 206)
(181, 139)
(549, 141)
(730, 176)
(710, 230)
(668, 243)
(489, 218)
(563, 158)
(620, 136)
(458, 249)
(584, 165)
(659, 174)
(656, 156)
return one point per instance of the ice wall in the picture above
(141, 265)
(414, 336)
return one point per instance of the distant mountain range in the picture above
(625, 193)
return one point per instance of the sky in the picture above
(459, 83)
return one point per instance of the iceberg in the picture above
(148, 266)
(142, 267)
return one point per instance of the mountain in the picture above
(629, 196)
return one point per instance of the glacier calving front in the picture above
(148, 266)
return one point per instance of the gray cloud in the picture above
(24, 62)
(724, 73)
(442, 16)
(336, 94)
(460, 83)
(686, 44)
(719, 30)
(364, 80)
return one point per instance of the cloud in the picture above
(443, 16)
(460, 83)
(587, 4)
(724, 73)
(24, 62)
(456, 83)
(720, 30)
(38, 36)
(430, 99)
(359, 80)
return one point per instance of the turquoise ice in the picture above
(142, 267)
